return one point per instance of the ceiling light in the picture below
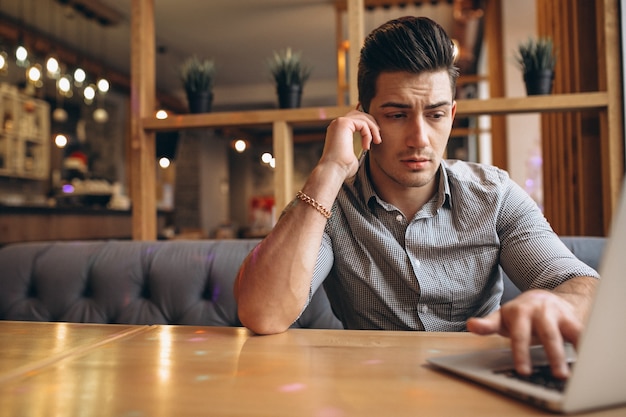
(100, 115)
(21, 54)
(59, 115)
(79, 76)
(52, 65)
(60, 140)
(240, 145)
(103, 85)
(89, 92)
(266, 157)
(164, 162)
(34, 73)
(3, 60)
(64, 84)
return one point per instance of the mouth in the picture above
(415, 162)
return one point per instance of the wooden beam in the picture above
(142, 99)
(356, 18)
(612, 149)
(283, 172)
(497, 58)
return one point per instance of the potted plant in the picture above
(290, 75)
(537, 59)
(197, 76)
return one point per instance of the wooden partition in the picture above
(583, 151)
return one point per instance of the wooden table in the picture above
(62, 369)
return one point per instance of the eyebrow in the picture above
(407, 106)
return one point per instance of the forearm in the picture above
(578, 291)
(274, 281)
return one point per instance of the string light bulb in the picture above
(52, 66)
(21, 55)
(79, 76)
(103, 85)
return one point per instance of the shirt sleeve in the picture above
(532, 254)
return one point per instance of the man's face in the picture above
(415, 114)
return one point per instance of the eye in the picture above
(396, 116)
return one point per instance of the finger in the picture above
(485, 325)
(369, 132)
(521, 335)
(571, 330)
(549, 334)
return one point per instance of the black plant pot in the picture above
(200, 102)
(539, 82)
(289, 96)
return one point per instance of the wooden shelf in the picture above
(323, 115)
(608, 102)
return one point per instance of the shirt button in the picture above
(417, 263)
(424, 309)
(399, 217)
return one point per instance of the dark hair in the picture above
(411, 44)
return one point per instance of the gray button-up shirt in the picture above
(436, 270)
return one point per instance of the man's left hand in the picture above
(536, 316)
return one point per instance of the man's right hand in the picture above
(339, 144)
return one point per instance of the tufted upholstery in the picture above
(164, 282)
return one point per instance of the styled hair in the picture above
(409, 44)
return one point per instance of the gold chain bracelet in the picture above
(314, 203)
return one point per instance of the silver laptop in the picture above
(598, 377)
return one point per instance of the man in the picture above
(403, 239)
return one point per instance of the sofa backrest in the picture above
(131, 282)
(156, 282)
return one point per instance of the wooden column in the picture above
(611, 81)
(356, 18)
(498, 57)
(583, 152)
(283, 173)
(142, 98)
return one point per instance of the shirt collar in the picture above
(366, 190)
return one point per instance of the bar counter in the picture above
(43, 223)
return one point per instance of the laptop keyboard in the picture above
(541, 375)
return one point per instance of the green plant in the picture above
(536, 55)
(287, 68)
(197, 74)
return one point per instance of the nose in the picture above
(417, 135)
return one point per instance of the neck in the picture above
(409, 200)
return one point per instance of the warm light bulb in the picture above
(3, 60)
(79, 75)
(103, 85)
(52, 65)
(59, 115)
(100, 115)
(240, 145)
(21, 53)
(34, 73)
(273, 163)
(161, 114)
(64, 84)
(89, 92)
(164, 162)
(60, 140)
(266, 157)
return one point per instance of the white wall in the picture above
(523, 131)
